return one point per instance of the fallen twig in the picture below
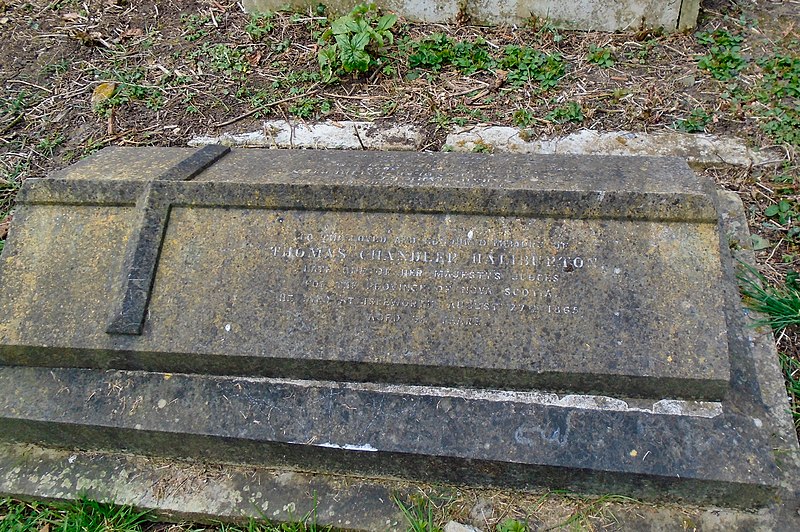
(262, 107)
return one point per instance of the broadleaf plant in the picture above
(354, 41)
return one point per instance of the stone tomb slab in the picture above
(207, 305)
(568, 274)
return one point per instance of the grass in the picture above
(419, 515)
(589, 509)
(84, 515)
(87, 515)
(779, 305)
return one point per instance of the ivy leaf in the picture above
(385, 22)
(352, 53)
(327, 60)
(360, 40)
(341, 25)
(103, 92)
(387, 35)
(759, 242)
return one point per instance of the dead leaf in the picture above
(131, 32)
(254, 59)
(71, 17)
(501, 76)
(4, 225)
(103, 92)
(45, 528)
(91, 38)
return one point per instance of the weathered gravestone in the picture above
(517, 321)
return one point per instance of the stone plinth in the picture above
(505, 320)
(453, 270)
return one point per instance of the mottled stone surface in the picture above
(507, 272)
(201, 492)
(228, 368)
(619, 15)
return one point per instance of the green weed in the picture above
(11, 181)
(775, 100)
(600, 56)
(524, 64)
(196, 26)
(719, 37)
(781, 76)
(643, 54)
(782, 124)
(48, 144)
(358, 39)
(295, 78)
(782, 212)
(434, 52)
(724, 59)
(259, 26)
(572, 112)
(441, 119)
(522, 117)
(15, 105)
(228, 60)
(470, 57)
(512, 525)
(131, 86)
(482, 147)
(310, 107)
(696, 122)
(438, 51)
(57, 67)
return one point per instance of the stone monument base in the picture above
(592, 15)
(240, 345)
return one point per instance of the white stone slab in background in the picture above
(596, 15)
(698, 149)
(345, 135)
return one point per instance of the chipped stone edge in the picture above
(344, 135)
(698, 149)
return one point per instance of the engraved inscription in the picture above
(461, 271)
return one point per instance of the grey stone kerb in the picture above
(599, 15)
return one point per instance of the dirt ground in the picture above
(80, 75)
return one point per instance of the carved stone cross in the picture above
(141, 257)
